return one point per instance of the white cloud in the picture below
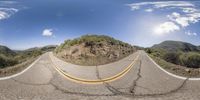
(135, 7)
(190, 33)
(47, 32)
(166, 27)
(184, 20)
(7, 12)
(149, 10)
(176, 17)
(189, 10)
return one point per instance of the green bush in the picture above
(156, 52)
(190, 59)
(172, 57)
(148, 50)
(4, 61)
(91, 40)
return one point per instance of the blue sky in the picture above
(29, 23)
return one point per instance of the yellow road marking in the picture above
(100, 81)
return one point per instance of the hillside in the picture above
(6, 51)
(177, 52)
(176, 46)
(93, 50)
(10, 57)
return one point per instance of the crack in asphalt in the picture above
(108, 86)
(165, 93)
(132, 89)
(65, 91)
(144, 88)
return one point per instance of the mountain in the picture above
(93, 50)
(177, 52)
(176, 46)
(6, 51)
(48, 48)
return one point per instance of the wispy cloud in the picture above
(7, 12)
(7, 9)
(47, 32)
(7, 3)
(161, 4)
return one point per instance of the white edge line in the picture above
(15, 75)
(176, 76)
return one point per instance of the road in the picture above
(135, 77)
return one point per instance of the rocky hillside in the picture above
(93, 50)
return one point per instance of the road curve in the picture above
(64, 71)
(143, 80)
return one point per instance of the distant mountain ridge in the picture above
(6, 51)
(176, 46)
(44, 48)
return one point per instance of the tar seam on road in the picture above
(108, 86)
(132, 89)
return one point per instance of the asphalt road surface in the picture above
(135, 77)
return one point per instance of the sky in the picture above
(34, 23)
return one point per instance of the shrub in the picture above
(4, 61)
(172, 57)
(148, 50)
(190, 59)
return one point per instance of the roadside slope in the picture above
(93, 50)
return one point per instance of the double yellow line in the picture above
(100, 81)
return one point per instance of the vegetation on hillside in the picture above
(179, 53)
(6, 61)
(10, 58)
(93, 50)
(91, 40)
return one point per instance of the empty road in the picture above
(135, 77)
